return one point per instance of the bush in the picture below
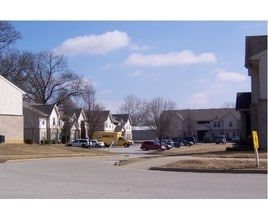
(53, 141)
(239, 148)
(28, 141)
(46, 141)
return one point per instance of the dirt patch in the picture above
(35, 151)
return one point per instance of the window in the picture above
(54, 121)
(230, 124)
(217, 124)
(202, 122)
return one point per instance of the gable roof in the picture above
(27, 105)
(47, 109)
(204, 114)
(12, 85)
(121, 117)
(104, 115)
(78, 111)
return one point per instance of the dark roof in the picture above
(121, 117)
(47, 109)
(204, 114)
(104, 115)
(243, 100)
(254, 45)
(77, 111)
(28, 106)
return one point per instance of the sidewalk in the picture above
(157, 163)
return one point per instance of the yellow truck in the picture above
(111, 138)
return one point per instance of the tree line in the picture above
(47, 79)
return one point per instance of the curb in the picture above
(209, 170)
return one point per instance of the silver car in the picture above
(80, 143)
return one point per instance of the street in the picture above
(93, 178)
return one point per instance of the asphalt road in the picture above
(92, 178)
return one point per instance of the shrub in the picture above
(28, 141)
(239, 148)
(45, 141)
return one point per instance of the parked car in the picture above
(80, 143)
(152, 145)
(168, 142)
(221, 139)
(235, 139)
(96, 143)
(178, 141)
(190, 139)
(187, 142)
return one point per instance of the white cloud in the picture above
(199, 99)
(137, 47)
(94, 44)
(170, 59)
(136, 73)
(231, 76)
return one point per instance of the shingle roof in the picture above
(30, 107)
(104, 115)
(121, 117)
(204, 114)
(47, 109)
(77, 111)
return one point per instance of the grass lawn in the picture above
(35, 151)
(213, 156)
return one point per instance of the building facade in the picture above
(42, 122)
(204, 124)
(11, 112)
(256, 63)
(123, 124)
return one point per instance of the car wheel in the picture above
(126, 145)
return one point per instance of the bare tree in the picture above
(190, 125)
(161, 123)
(93, 109)
(49, 80)
(8, 35)
(136, 108)
(14, 66)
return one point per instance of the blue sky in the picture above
(197, 64)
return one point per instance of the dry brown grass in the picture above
(216, 158)
(211, 151)
(216, 164)
(35, 151)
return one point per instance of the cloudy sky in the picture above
(197, 64)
